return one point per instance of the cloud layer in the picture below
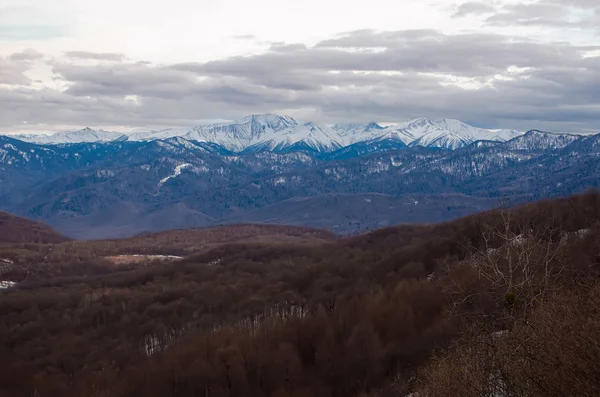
(484, 77)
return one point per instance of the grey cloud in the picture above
(474, 8)
(49, 106)
(283, 47)
(561, 91)
(372, 38)
(100, 56)
(592, 4)
(53, 107)
(13, 72)
(529, 14)
(549, 13)
(26, 55)
(416, 51)
(125, 79)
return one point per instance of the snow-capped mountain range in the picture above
(277, 133)
(129, 184)
(86, 135)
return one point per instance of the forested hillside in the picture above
(14, 229)
(500, 303)
(121, 188)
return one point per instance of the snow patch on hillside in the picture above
(175, 173)
(7, 284)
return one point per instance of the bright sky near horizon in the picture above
(131, 64)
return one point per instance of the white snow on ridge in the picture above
(7, 284)
(443, 133)
(155, 135)
(162, 257)
(265, 131)
(86, 135)
(538, 140)
(273, 132)
(277, 132)
(354, 133)
(176, 173)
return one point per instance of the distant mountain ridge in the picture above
(86, 135)
(123, 187)
(280, 133)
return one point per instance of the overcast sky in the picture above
(133, 64)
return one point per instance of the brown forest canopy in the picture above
(373, 315)
(14, 229)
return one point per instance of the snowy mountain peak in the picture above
(265, 131)
(274, 132)
(273, 121)
(419, 122)
(373, 126)
(356, 132)
(452, 124)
